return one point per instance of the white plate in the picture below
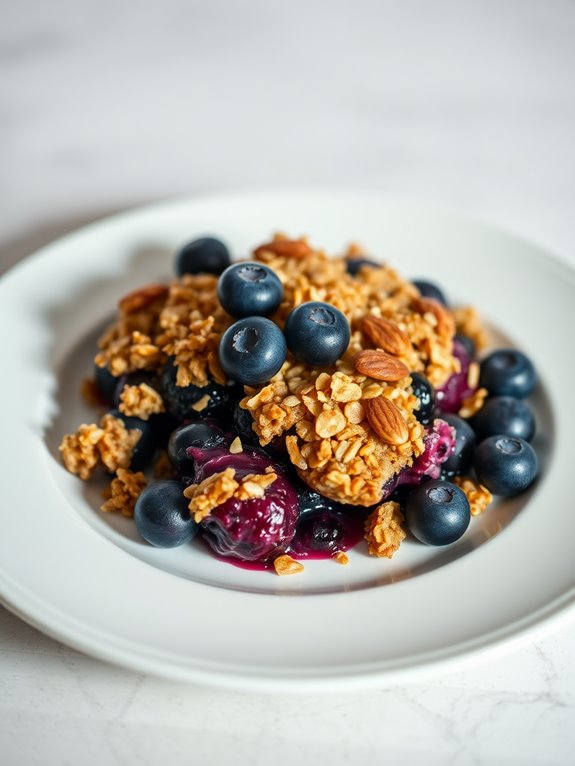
(85, 578)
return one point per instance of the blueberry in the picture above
(145, 447)
(242, 422)
(467, 343)
(508, 372)
(437, 513)
(506, 465)
(429, 290)
(162, 516)
(317, 333)
(507, 416)
(198, 433)
(320, 530)
(250, 289)
(425, 392)
(179, 400)
(105, 381)
(461, 459)
(202, 256)
(252, 350)
(357, 263)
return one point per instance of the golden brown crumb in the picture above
(383, 530)
(201, 404)
(123, 492)
(80, 450)
(285, 565)
(116, 443)
(236, 446)
(141, 401)
(471, 405)
(109, 444)
(222, 486)
(341, 558)
(468, 323)
(478, 496)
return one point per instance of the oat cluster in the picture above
(123, 492)
(478, 496)
(383, 530)
(223, 486)
(141, 401)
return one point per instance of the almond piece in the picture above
(386, 335)
(379, 365)
(142, 298)
(445, 322)
(386, 420)
(290, 248)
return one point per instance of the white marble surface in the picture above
(107, 104)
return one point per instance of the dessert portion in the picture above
(303, 402)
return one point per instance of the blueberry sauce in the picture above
(451, 395)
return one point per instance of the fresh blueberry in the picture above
(358, 262)
(317, 333)
(198, 433)
(425, 392)
(461, 459)
(250, 289)
(162, 516)
(508, 372)
(242, 422)
(507, 416)
(145, 447)
(206, 255)
(252, 350)
(437, 513)
(506, 465)
(430, 290)
(467, 343)
(320, 530)
(106, 382)
(180, 400)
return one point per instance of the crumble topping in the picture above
(123, 492)
(383, 530)
(285, 565)
(478, 496)
(468, 323)
(109, 444)
(471, 405)
(222, 486)
(141, 401)
(341, 558)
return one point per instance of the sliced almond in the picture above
(379, 365)
(445, 322)
(142, 298)
(386, 335)
(289, 248)
(386, 420)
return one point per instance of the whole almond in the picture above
(445, 322)
(386, 335)
(379, 365)
(289, 248)
(142, 298)
(386, 420)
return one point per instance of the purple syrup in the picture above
(322, 533)
(451, 395)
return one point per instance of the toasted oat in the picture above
(285, 565)
(116, 443)
(79, 451)
(383, 530)
(341, 558)
(471, 405)
(468, 323)
(201, 404)
(123, 492)
(141, 401)
(109, 444)
(128, 353)
(236, 446)
(478, 496)
(222, 486)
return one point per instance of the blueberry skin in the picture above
(425, 392)
(206, 255)
(508, 372)
(317, 333)
(461, 459)
(507, 416)
(242, 424)
(252, 350)
(437, 513)
(145, 447)
(506, 465)
(162, 515)
(250, 289)
(198, 433)
(430, 290)
(179, 399)
(355, 264)
(105, 381)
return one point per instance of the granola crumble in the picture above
(383, 530)
(478, 496)
(123, 492)
(141, 401)
(285, 565)
(222, 486)
(109, 444)
(471, 405)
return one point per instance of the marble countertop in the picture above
(104, 105)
